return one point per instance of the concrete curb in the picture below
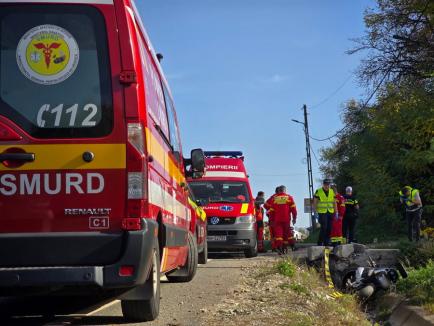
(405, 315)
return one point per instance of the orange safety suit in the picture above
(270, 215)
(259, 212)
(282, 207)
(336, 230)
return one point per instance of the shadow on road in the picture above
(37, 311)
(65, 321)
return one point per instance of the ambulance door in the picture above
(62, 134)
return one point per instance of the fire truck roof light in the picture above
(236, 154)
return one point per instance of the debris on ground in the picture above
(280, 292)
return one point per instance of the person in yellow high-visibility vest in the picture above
(325, 208)
(410, 197)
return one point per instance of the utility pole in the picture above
(309, 164)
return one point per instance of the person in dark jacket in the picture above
(351, 214)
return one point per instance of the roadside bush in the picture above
(299, 289)
(286, 268)
(416, 254)
(419, 285)
(313, 237)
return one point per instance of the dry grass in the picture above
(269, 295)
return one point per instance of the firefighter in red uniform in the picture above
(282, 206)
(259, 211)
(270, 214)
(336, 230)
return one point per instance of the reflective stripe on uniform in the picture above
(281, 200)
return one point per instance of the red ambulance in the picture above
(93, 193)
(230, 209)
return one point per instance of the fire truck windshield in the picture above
(221, 191)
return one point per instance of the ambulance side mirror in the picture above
(198, 160)
(197, 164)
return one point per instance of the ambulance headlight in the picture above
(245, 219)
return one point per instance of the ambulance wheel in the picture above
(251, 252)
(187, 272)
(203, 255)
(146, 310)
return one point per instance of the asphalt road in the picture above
(181, 304)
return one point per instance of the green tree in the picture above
(389, 144)
(399, 41)
(386, 146)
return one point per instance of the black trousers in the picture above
(349, 227)
(325, 219)
(413, 223)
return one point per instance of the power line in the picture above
(279, 175)
(329, 138)
(314, 155)
(332, 93)
(360, 109)
(376, 88)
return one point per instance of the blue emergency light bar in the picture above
(224, 153)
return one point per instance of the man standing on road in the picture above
(259, 211)
(283, 207)
(325, 208)
(336, 232)
(413, 211)
(351, 214)
(270, 214)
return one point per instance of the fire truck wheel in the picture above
(146, 310)
(203, 255)
(187, 272)
(252, 252)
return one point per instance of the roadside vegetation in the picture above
(286, 294)
(418, 258)
(388, 139)
(412, 254)
(313, 237)
(419, 286)
(417, 255)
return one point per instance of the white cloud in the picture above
(276, 78)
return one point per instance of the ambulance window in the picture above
(55, 71)
(173, 127)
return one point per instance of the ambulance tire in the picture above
(187, 272)
(252, 252)
(146, 310)
(203, 255)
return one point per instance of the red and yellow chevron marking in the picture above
(162, 157)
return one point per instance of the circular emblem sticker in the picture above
(47, 54)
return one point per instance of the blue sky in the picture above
(240, 70)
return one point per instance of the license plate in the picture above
(216, 238)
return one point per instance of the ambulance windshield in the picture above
(221, 191)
